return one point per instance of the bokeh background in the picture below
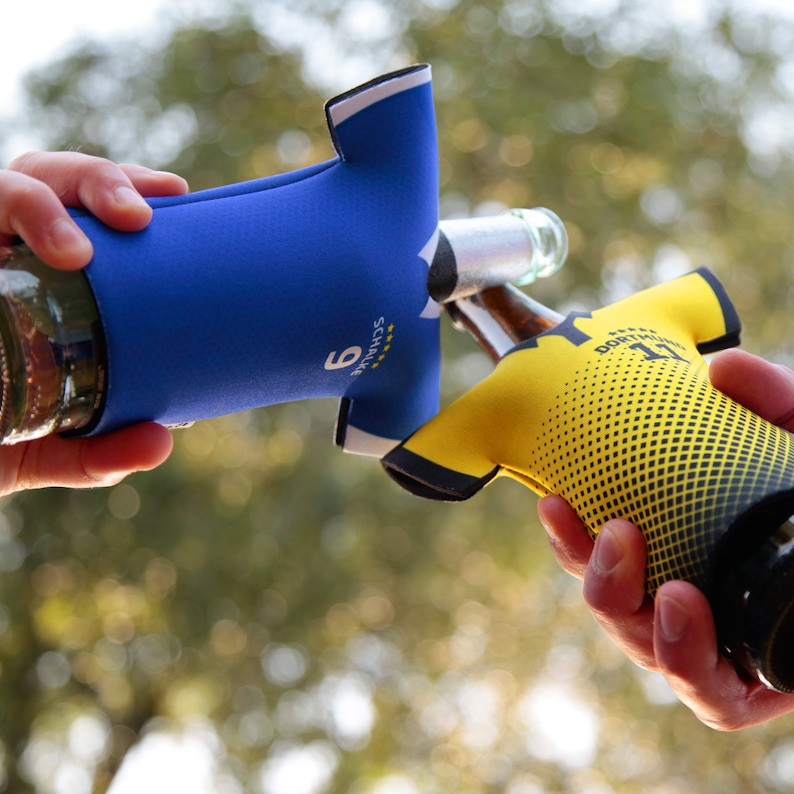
(264, 614)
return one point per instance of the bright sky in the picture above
(37, 31)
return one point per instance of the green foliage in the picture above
(642, 156)
(292, 598)
(218, 105)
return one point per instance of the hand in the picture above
(34, 191)
(674, 633)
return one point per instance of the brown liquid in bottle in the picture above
(501, 317)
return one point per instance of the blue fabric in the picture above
(297, 286)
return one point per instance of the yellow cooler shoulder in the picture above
(613, 411)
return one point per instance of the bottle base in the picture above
(754, 610)
(50, 335)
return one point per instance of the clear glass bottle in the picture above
(51, 349)
(518, 246)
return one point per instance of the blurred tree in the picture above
(331, 632)
(220, 105)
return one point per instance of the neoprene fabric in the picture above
(613, 410)
(302, 285)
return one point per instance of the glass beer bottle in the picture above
(52, 344)
(51, 348)
(750, 582)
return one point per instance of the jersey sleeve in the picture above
(309, 284)
(504, 424)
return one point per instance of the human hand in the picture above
(674, 633)
(35, 189)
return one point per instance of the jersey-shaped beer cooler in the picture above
(307, 284)
(613, 411)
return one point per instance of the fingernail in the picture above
(126, 197)
(673, 618)
(65, 236)
(608, 552)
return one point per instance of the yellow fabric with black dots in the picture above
(614, 411)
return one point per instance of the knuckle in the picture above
(101, 168)
(723, 722)
(596, 597)
(22, 196)
(22, 163)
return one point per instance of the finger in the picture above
(686, 648)
(140, 447)
(765, 388)
(30, 209)
(571, 544)
(614, 589)
(97, 184)
(84, 462)
(154, 183)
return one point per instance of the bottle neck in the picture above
(499, 318)
(474, 254)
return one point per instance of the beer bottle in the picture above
(52, 343)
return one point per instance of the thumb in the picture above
(84, 462)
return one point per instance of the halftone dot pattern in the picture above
(613, 411)
(660, 447)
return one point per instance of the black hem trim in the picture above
(384, 78)
(430, 480)
(340, 431)
(733, 325)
